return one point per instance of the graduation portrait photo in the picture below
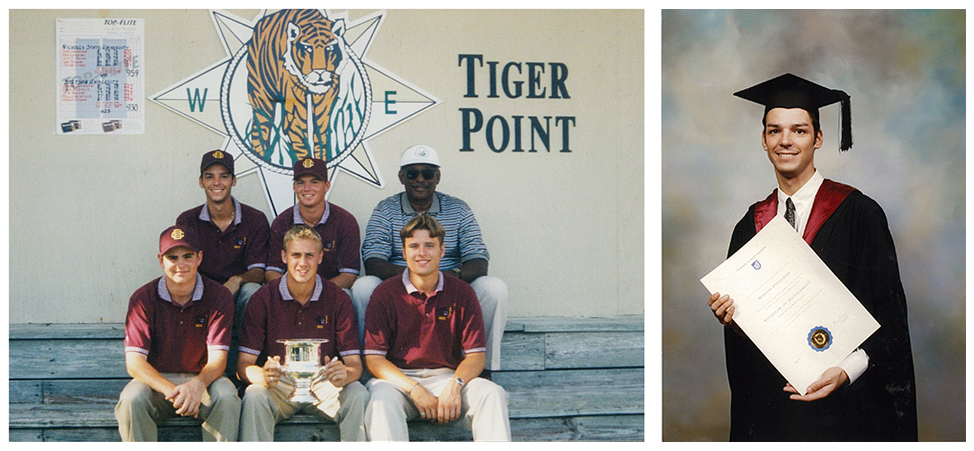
(850, 126)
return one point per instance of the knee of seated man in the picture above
(383, 391)
(488, 389)
(254, 391)
(355, 392)
(222, 391)
(362, 289)
(490, 289)
(135, 394)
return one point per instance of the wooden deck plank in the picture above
(55, 331)
(25, 392)
(621, 428)
(104, 358)
(77, 359)
(618, 428)
(67, 359)
(534, 394)
(568, 379)
(81, 403)
(629, 323)
(594, 350)
(521, 351)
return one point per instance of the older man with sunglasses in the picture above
(465, 256)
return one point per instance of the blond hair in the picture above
(302, 232)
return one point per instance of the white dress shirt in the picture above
(857, 362)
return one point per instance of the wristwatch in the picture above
(457, 272)
(459, 382)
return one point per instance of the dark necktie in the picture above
(790, 212)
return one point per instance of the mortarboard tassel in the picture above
(846, 142)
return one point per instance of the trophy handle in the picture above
(319, 375)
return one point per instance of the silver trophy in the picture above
(302, 364)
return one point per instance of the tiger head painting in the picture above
(294, 63)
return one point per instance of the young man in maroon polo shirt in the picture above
(337, 227)
(300, 305)
(232, 234)
(425, 344)
(177, 334)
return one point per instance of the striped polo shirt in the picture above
(463, 241)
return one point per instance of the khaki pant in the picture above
(140, 408)
(263, 408)
(484, 408)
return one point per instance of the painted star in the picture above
(372, 100)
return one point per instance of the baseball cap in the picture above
(216, 156)
(312, 166)
(420, 154)
(176, 236)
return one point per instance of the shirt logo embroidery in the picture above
(322, 321)
(200, 321)
(444, 313)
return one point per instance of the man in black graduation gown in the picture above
(871, 395)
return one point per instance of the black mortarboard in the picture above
(790, 91)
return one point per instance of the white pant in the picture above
(491, 292)
(483, 410)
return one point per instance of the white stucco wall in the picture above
(565, 230)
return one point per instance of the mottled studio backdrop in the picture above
(905, 71)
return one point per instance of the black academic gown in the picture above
(849, 232)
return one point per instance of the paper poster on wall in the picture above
(100, 76)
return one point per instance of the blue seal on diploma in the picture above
(819, 338)
(756, 264)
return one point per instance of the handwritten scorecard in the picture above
(100, 76)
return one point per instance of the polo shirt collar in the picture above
(197, 292)
(237, 215)
(298, 220)
(286, 293)
(410, 288)
(408, 209)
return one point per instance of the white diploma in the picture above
(790, 305)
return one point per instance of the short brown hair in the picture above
(302, 232)
(425, 222)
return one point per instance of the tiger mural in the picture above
(294, 59)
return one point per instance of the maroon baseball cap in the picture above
(216, 156)
(176, 236)
(311, 166)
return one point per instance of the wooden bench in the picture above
(567, 379)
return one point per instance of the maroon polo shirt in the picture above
(339, 237)
(416, 332)
(236, 250)
(272, 314)
(176, 339)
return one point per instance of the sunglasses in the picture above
(428, 174)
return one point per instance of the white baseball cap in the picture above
(420, 154)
